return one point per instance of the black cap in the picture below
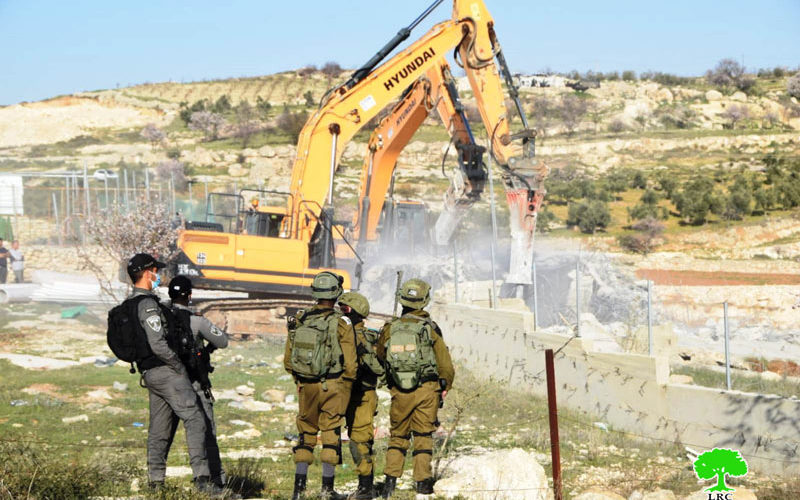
(180, 286)
(142, 261)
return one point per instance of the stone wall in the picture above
(629, 392)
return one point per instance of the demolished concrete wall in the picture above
(631, 392)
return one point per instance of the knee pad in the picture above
(332, 448)
(355, 452)
(303, 452)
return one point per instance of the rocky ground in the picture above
(63, 392)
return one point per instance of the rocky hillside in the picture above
(612, 126)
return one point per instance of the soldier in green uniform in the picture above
(419, 374)
(363, 404)
(321, 356)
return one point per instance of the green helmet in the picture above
(415, 294)
(356, 301)
(327, 285)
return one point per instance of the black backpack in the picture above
(125, 335)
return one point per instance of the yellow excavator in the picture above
(294, 233)
(394, 219)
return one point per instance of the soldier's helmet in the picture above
(415, 294)
(327, 285)
(356, 301)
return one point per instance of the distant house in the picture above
(539, 80)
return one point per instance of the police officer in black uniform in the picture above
(207, 338)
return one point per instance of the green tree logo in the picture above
(719, 462)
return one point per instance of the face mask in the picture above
(157, 281)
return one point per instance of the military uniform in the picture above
(322, 408)
(322, 403)
(171, 395)
(414, 412)
(363, 404)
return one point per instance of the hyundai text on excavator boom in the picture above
(284, 263)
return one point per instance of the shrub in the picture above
(572, 111)
(246, 124)
(545, 220)
(639, 180)
(617, 125)
(589, 215)
(648, 208)
(186, 111)
(729, 73)
(666, 79)
(680, 117)
(793, 86)
(292, 123)
(696, 200)
(629, 76)
(223, 105)
(307, 70)
(735, 113)
(310, 103)
(174, 153)
(207, 122)
(264, 107)
(331, 69)
(153, 134)
(649, 230)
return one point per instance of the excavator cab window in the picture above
(263, 224)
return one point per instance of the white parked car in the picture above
(104, 174)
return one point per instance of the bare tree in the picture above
(735, 113)
(331, 69)
(175, 170)
(572, 109)
(147, 228)
(246, 123)
(153, 134)
(207, 122)
(649, 231)
(544, 110)
(729, 73)
(307, 70)
(793, 85)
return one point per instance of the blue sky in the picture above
(49, 48)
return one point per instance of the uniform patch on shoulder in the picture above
(154, 322)
(347, 320)
(216, 331)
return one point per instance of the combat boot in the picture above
(327, 492)
(425, 487)
(388, 487)
(299, 486)
(155, 486)
(204, 484)
(366, 490)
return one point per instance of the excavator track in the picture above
(245, 319)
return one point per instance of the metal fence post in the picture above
(535, 300)
(455, 270)
(552, 404)
(494, 232)
(86, 190)
(578, 297)
(727, 350)
(191, 201)
(649, 318)
(127, 199)
(147, 183)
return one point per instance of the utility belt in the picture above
(148, 363)
(329, 376)
(429, 378)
